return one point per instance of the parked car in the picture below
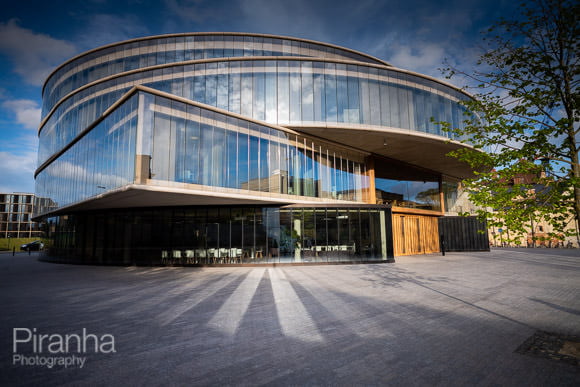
(32, 246)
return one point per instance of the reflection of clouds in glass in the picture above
(70, 171)
(308, 98)
(271, 112)
(394, 186)
(409, 189)
(291, 90)
(295, 83)
(415, 187)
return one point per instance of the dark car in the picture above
(32, 246)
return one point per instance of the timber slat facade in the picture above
(415, 234)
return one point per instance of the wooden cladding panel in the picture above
(415, 234)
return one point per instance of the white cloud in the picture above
(33, 55)
(425, 58)
(17, 172)
(27, 112)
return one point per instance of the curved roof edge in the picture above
(379, 61)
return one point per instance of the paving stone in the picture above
(424, 320)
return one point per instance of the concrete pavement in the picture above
(424, 320)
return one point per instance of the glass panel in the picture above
(237, 229)
(353, 114)
(309, 185)
(232, 155)
(413, 194)
(219, 156)
(321, 223)
(234, 87)
(295, 92)
(345, 247)
(248, 235)
(342, 93)
(246, 91)
(319, 93)
(161, 138)
(284, 160)
(254, 182)
(264, 162)
(259, 91)
(211, 84)
(192, 145)
(395, 120)
(307, 92)
(272, 219)
(404, 103)
(287, 237)
(283, 93)
(205, 160)
(222, 86)
(180, 153)
(199, 83)
(271, 99)
(274, 178)
(243, 162)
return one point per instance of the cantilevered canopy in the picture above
(412, 147)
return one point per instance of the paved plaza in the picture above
(424, 320)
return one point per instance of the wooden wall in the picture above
(415, 234)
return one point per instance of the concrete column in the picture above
(142, 169)
(371, 196)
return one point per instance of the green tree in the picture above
(525, 119)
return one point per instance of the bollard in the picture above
(443, 245)
(13, 251)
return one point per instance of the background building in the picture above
(16, 211)
(228, 148)
(539, 232)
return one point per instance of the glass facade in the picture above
(223, 235)
(191, 119)
(192, 145)
(293, 92)
(410, 194)
(141, 53)
(102, 160)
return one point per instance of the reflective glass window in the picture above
(259, 91)
(234, 87)
(270, 96)
(307, 84)
(283, 93)
(295, 92)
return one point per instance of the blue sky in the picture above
(36, 36)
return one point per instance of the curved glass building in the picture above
(226, 148)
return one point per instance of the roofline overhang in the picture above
(156, 194)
